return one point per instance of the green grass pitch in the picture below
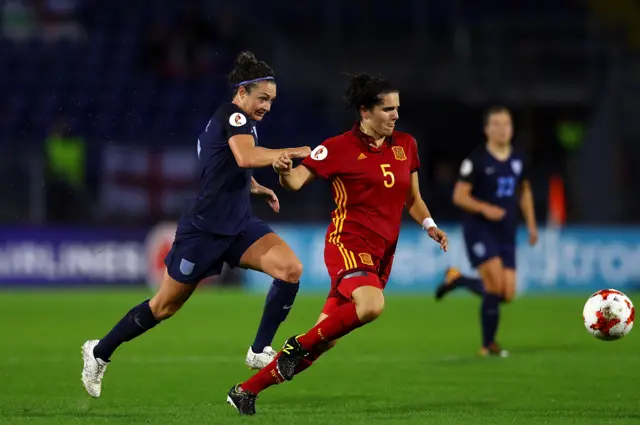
(416, 365)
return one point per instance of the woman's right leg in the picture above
(363, 289)
(367, 303)
(96, 353)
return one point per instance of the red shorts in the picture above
(348, 256)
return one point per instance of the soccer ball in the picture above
(608, 314)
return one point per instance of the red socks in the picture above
(269, 375)
(342, 321)
(308, 361)
(264, 378)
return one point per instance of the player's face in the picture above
(382, 118)
(258, 102)
(499, 128)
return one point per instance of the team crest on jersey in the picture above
(366, 259)
(237, 119)
(516, 166)
(398, 152)
(319, 153)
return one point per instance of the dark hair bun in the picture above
(245, 60)
(360, 81)
(247, 68)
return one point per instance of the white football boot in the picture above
(93, 369)
(260, 360)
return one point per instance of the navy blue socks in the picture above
(276, 309)
(489, 317)
(136, 322)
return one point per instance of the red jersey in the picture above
(370, 185)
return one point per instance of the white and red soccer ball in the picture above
(608, 314)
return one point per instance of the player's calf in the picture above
(273, 256)
(164, 311)
(278, 303)
(509, 284)
(137, 321)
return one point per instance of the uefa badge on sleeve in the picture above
(237, 119)
(319, 153)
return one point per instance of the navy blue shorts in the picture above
(482, 245)
(196, 255)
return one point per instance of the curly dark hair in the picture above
(366, 91)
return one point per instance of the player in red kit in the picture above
(374, 173)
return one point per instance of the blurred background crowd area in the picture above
(102, 101)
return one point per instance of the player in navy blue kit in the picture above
(492, 186)
(218, 226)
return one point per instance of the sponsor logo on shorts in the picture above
(362, 156)
(398, 152)
(365, 259)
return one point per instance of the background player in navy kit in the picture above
(493, 183)
(218, 226)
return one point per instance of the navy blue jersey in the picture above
(495, 182)
(223, 204)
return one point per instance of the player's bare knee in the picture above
(493, 283)
(290, 271)
(370, 309)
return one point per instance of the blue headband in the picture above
(244, 83)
